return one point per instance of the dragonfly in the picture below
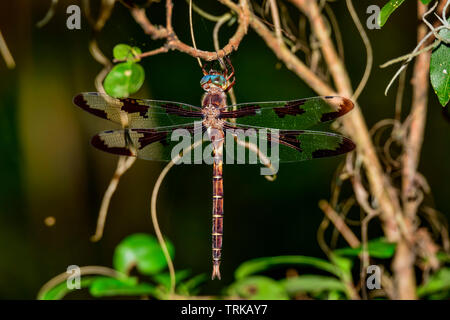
(147, 127)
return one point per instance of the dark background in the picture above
(48, 167)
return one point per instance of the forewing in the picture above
(137, 113)
(289, 115)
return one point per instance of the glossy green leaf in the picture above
(440, 69)
(312, 284)
(425, 1)
(264, 264)
(378, 248)
(59, 291)
(143, 252)
(257, 288)
(436, 284)
(387, 10)
(107, 287)
(125, 52)
(124, 79)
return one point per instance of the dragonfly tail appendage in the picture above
(217, 226)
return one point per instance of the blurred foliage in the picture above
(140, 251)
(143, 252)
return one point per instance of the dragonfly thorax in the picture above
(211, 117)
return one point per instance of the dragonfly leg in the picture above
(230, 85)
(228, 77)
(204, 70)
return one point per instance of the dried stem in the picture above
(173, 43)
(154, 216)
(123, 164)
(7, 56)
(354, 124)
(87, 270)
(403, 263)
(339, 223)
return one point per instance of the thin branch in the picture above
(339, 223)
(204, 14)
(87, 270)
(367, 45)
(49, 15)
(354, 124)
(173, 43)
(123, 164)
(154, 216)
(9, 60)
(191, 26)
(276, 20)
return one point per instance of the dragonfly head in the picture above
(213, 80)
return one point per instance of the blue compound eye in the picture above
(218, 80)
(214, 79)
(205, 79)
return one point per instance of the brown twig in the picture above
(339, 223)
(354, 124)
(403, 263)
(173, 43)
(7, 56)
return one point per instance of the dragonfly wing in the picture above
(160, 144)
(286, 145)
(289, 115)
(137, 113)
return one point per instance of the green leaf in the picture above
(425, 1)
(125, 52)
(164, 278)
(107, 287)
(436, 284)
(314, 284)
(258, 288)
(440, 69)
(378, 248)
(443, 257)
(191, 286)
(143, 251)
(387, 10)
(124, 79)
(263, 264)
(59, 291)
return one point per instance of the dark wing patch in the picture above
(295, 145)
(289, 115)
(148, 144)
(345, 146)
(245, 111)
(291, 108)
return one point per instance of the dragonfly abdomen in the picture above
(217, 226)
